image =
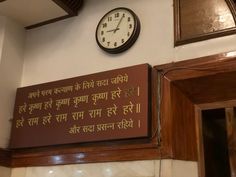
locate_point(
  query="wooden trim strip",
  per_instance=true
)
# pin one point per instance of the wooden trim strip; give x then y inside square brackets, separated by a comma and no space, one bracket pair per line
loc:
[13,159]
[203,37]
[217,105]
[5,158]
[88,153]
[200,148]
[70,6]
[177,22]
[88,157]
[198,67]
[47,22]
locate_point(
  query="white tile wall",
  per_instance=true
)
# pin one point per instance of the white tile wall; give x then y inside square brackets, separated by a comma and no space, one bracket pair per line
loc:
[184,169]
[149,168]
[18,172]
[5,172]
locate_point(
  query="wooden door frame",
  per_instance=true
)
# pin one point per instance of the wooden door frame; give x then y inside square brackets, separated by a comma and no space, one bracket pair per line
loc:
[181,103]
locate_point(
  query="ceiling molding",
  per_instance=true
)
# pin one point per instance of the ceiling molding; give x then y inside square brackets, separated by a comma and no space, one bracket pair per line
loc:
[35,13]
[70,6]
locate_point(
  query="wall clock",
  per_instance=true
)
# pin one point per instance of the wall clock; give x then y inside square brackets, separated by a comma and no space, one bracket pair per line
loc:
[117,30]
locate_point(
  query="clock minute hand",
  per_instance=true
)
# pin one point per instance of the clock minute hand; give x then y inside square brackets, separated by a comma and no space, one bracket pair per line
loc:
[118,24]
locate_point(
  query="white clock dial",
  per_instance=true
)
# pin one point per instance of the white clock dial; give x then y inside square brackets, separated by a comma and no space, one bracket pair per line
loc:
[119,27]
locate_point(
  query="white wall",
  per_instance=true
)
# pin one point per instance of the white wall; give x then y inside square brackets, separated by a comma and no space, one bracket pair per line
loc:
[68,48]
[2,32]
[10,74]
[149,168]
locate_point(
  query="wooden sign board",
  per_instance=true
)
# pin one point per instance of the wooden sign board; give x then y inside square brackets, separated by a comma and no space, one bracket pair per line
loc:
[109,105]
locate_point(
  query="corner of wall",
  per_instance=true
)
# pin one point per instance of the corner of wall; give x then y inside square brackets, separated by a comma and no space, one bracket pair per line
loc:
[2,34]
[11,63]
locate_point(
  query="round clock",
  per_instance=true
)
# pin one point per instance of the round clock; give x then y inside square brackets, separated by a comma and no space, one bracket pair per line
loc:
[117,30]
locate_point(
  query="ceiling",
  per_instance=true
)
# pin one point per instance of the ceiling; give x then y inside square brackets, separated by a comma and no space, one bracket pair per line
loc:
[31,12]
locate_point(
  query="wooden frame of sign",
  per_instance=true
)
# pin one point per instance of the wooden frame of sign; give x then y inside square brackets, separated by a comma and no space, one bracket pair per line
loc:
[199,20]
[135,147]
[106,106]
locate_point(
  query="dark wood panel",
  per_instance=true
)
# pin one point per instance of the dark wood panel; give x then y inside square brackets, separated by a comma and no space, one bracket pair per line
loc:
[70,6]
[183,130]
[144,149]
[178,135]
[209,79]
[166,116]
[200,17]
[86,153]
[180,98]
[88,157]
[91,98]
[177,127]
[125,150]
[201,20]
[221,88]
[5,158]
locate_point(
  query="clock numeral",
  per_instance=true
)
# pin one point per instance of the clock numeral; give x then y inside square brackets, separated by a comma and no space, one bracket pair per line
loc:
[117,15]
[117,30]
[104,25]
[109,19]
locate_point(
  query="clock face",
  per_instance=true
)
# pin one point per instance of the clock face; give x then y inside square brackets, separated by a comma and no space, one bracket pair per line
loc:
[117,30]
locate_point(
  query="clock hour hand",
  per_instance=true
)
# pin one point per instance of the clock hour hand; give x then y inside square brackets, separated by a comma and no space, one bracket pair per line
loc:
[113,30]
[118,24]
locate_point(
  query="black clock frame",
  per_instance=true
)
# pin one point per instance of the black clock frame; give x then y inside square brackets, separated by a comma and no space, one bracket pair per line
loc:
[130,41]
